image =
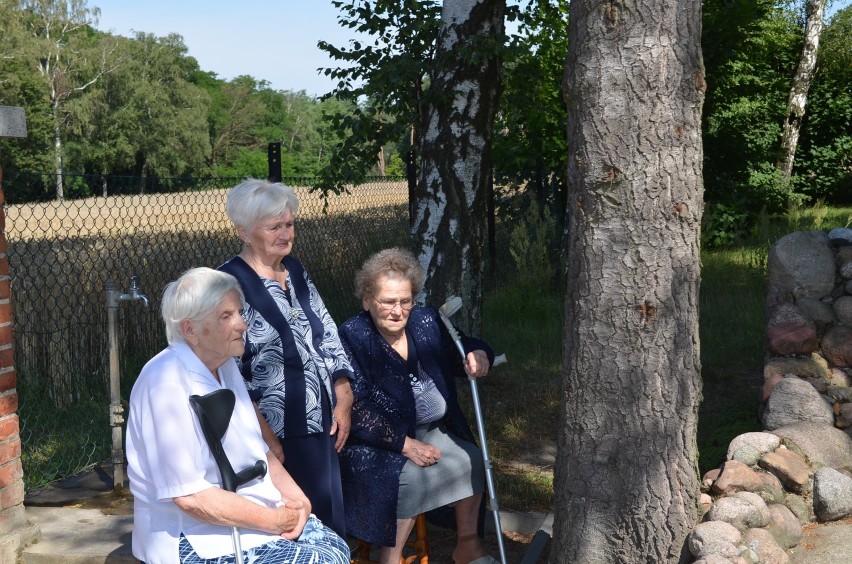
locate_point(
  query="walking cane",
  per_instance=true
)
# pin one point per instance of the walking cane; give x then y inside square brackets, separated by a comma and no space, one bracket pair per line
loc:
[452,305]
[214,414]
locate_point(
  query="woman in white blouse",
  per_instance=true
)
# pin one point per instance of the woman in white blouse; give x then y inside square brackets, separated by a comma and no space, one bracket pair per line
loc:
[181,512]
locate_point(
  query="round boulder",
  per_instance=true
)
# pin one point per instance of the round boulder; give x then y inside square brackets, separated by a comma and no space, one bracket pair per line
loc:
[743,510]
[832,494]
[764,544]
[761,442]
[712,533]
[793,400]
[789,331]
[840,236]
[814,367]
[803,263]
[784,526]
[843,310]
[818,311]
[837,346]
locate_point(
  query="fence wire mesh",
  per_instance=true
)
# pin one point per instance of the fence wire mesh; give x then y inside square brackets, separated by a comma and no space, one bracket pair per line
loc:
[62,253]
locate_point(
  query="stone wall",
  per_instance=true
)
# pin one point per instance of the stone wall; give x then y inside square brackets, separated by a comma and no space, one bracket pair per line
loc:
[799,469]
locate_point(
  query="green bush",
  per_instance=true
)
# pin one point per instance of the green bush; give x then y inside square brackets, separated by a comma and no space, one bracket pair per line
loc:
[723,225]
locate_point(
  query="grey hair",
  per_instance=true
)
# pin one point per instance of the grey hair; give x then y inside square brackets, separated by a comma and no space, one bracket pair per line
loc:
[253,200]
[395,262]
[194,296]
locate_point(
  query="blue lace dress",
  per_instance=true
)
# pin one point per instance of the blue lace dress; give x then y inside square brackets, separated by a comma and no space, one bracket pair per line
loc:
[384,413]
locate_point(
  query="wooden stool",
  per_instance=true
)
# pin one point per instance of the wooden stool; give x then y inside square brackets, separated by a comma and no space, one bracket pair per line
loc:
[420,544]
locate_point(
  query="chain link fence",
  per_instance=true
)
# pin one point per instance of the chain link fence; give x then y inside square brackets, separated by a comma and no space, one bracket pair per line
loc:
[62,253]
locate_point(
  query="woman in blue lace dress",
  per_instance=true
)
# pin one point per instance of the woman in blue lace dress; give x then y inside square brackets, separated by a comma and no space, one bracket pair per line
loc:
[410,449]
[181,513]
[294,364]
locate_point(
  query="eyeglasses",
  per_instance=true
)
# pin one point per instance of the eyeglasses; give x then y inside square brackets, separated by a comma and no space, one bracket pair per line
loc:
[389,305]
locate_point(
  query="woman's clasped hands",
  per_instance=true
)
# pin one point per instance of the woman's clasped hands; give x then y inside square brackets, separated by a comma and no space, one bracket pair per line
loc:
[420,453]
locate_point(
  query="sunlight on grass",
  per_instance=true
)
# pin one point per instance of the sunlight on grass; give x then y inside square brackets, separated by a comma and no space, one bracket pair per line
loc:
[524,489]
[521,399]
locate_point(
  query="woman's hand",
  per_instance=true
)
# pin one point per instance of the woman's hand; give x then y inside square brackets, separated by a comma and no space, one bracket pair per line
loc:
[342,412]
[293,514]
[476,364]
[296,509]
[420,453]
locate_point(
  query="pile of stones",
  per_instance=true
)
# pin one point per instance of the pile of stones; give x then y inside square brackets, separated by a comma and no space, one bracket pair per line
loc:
[799,469]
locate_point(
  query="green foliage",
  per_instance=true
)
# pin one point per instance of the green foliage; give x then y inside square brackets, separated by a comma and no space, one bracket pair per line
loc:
[384,80]
[751,50]
[532,243]
[395,165]
[245,163]
[748,86]
[147,108]
[723,225]
[824,157]
[530,141]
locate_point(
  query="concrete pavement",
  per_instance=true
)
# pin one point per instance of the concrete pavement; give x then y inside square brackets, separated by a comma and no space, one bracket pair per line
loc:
[83,521]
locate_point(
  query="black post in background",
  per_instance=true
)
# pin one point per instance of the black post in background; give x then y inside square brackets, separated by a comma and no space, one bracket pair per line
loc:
[492,237]
[411,176]
[273,155]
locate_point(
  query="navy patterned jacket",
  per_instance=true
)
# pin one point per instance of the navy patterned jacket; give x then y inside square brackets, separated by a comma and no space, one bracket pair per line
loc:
[383,414]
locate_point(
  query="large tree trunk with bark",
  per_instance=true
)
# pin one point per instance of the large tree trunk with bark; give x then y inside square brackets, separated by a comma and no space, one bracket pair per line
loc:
[626,479]
[449,202]
[800,86]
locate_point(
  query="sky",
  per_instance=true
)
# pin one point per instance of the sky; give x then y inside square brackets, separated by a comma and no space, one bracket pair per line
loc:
[272,40]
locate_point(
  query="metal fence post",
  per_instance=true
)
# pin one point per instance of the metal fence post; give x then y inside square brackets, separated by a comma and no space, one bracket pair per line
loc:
[116,411]
[273,156]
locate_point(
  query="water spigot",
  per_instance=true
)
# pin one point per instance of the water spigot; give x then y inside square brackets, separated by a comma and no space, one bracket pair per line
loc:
[134,293]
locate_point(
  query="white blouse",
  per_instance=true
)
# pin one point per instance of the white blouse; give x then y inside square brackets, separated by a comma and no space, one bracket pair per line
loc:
[168,457]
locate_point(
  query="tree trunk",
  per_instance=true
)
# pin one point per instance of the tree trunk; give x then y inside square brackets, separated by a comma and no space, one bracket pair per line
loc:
[57,151]
[449,204]
[801,84]
[626,480]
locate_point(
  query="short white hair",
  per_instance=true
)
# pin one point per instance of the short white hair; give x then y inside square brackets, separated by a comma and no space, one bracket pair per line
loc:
[254,200]
[194,296]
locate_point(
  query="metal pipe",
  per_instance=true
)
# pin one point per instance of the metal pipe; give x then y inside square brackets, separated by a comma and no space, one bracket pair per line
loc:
[116,410]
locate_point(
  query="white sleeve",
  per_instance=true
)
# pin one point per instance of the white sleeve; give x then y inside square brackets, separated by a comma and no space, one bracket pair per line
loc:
[173,440]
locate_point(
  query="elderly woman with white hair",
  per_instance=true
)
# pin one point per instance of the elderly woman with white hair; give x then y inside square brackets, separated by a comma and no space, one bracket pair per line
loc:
[294,364]
[181,512]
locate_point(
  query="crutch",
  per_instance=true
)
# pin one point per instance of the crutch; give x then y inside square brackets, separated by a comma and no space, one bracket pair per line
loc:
[214,414]
[452,305]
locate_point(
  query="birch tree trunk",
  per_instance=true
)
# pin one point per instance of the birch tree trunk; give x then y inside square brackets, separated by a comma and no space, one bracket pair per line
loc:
[626,479]
[449,200]
[800,86]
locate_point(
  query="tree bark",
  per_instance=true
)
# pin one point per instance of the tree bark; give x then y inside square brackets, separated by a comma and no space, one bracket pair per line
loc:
[626,481]
[449,207]
[800,86]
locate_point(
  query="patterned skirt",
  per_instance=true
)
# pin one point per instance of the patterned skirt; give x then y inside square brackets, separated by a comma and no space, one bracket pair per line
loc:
[317,545]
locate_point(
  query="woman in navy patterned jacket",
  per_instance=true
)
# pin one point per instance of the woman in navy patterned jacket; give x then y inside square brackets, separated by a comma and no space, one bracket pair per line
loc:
[294,365]
[410,449]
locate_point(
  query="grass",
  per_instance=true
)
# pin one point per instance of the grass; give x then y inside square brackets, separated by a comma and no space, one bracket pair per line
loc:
[524,319]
